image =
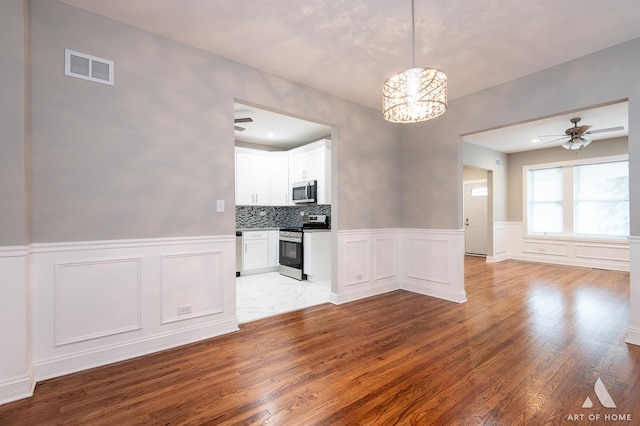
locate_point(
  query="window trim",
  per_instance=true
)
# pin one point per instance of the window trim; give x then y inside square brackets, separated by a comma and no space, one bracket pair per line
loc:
[568,195]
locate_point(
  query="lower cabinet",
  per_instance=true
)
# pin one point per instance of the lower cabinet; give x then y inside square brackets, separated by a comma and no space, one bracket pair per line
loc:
[259,251]
[317,255]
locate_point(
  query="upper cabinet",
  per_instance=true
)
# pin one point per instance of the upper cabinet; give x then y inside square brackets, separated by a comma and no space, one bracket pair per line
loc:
[251,186]
[265,178]
[313,162]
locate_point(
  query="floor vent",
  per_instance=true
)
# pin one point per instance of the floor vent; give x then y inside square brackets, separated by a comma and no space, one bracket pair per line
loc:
[87,67]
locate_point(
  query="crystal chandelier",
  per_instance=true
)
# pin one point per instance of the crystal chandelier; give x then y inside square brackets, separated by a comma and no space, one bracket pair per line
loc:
[416,94]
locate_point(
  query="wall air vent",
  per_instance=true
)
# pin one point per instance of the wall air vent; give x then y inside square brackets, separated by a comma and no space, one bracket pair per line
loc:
[87,67]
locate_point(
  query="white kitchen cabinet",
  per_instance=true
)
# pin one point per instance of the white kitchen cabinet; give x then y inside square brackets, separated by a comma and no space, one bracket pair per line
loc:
[317,255]
[274,248]
[255,254]
[252,188]
[265,178]
[279,180]
[262,178]
[313,162]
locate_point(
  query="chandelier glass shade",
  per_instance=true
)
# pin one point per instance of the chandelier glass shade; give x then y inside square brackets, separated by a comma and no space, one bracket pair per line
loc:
[416,94]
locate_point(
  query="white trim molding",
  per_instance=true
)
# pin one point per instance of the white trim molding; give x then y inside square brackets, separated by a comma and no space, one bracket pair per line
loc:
[604,253]
[500,242]
[424,261]
[167,292]
[16,375]
[633,334]
[369,264]
[433,263]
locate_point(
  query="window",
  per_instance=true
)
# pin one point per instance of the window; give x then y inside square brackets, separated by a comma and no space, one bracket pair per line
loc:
[545,201]
[579,198]
[601,199]
[480,192]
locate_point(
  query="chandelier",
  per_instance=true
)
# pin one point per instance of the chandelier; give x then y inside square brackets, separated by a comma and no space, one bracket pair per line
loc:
[417,94]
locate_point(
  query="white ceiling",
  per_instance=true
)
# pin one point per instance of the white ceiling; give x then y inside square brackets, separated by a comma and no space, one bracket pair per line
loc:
[545,133]
[350,47]
[276,130]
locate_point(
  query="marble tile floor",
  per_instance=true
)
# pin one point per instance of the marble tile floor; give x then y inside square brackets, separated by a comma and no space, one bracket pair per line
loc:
[264,295]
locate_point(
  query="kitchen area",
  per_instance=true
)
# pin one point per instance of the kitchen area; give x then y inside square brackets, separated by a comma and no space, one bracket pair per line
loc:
[283,214]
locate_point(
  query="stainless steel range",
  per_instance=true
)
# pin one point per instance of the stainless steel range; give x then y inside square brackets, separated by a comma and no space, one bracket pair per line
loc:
[291,245]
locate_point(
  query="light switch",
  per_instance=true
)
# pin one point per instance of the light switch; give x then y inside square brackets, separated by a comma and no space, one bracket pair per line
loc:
[220,206]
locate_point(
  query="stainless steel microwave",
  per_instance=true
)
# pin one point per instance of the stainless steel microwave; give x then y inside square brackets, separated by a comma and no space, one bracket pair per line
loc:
[304,192]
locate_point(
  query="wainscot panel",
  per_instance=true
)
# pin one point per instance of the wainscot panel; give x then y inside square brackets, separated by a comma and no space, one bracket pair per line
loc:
[16,376]
[633,334]
[367,264]
[433,263]
[500,242]
[575,251]
[94,303]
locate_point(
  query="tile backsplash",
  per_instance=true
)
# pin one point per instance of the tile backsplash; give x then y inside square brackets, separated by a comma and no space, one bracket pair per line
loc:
[276,217]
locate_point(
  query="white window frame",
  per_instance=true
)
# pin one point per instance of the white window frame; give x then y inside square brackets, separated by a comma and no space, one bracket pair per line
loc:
[567,192]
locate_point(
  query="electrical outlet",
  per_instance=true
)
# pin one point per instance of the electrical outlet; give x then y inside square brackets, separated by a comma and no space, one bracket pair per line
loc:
[263,213]
[184,310]
[220,206]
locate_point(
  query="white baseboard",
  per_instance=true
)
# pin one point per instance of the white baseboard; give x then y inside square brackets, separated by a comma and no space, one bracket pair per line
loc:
[17,388]
[66,364]
[350,296]
[633,336]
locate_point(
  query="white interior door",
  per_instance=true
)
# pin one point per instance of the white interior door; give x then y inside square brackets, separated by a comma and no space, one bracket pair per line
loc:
[476,235]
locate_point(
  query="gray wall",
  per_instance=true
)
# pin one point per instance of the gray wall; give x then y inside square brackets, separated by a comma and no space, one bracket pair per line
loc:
[601,148]
[149,156]
[431,152]
[12,123]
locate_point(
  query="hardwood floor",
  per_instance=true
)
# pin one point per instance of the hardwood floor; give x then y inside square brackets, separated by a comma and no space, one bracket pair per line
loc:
[527,348]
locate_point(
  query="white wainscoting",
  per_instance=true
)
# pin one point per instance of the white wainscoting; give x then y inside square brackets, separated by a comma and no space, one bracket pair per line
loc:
[429,262]
[633,334]
[575,251]
[500,242]
[433,263]
[94,303]
[368,264]
[16,376]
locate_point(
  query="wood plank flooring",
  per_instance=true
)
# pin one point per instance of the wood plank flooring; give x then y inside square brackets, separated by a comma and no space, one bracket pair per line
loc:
[526,349]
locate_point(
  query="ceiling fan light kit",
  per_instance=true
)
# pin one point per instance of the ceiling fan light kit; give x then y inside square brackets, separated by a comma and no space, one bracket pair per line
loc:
[417,94]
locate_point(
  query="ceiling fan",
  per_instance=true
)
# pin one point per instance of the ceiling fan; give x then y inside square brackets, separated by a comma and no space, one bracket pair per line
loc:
[242,120]
[578,135]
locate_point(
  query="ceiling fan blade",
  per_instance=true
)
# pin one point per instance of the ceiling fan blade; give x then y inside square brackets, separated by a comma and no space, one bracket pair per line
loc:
[238,128]
[578,130]
[555,140]
[550,136]
[243,120]
[610,129]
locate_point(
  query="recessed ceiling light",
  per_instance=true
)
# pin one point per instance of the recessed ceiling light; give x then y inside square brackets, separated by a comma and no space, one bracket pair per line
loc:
[535,140]
[270,135]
